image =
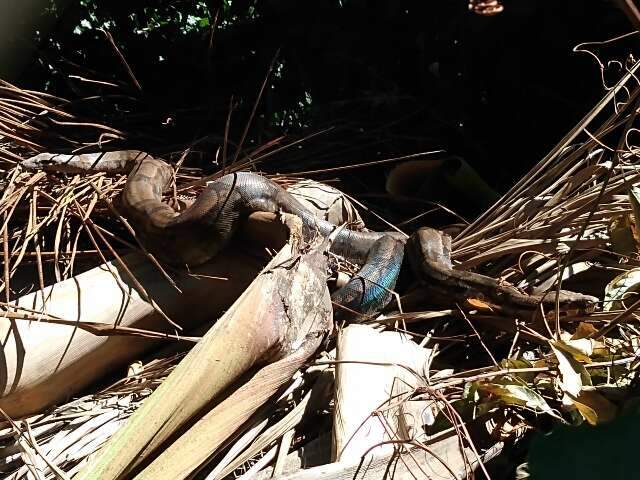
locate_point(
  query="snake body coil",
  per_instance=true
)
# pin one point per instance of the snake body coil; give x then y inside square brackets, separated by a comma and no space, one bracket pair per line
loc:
[198,233]
[201,231]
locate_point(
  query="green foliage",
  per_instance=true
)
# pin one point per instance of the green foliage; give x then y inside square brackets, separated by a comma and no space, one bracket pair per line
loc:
[188,16]
[150,18]
[155,29]
[587,453]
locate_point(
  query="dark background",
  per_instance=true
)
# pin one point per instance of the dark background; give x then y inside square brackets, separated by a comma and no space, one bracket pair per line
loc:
[392,77]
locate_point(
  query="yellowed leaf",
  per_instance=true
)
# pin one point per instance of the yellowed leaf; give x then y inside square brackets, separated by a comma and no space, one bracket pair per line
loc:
[634,199]
[621,232]
[574,350]
[594,407]
[516,394]
[573,375]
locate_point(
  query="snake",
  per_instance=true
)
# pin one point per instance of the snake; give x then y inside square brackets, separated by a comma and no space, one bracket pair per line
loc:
[198,233]
[429,252]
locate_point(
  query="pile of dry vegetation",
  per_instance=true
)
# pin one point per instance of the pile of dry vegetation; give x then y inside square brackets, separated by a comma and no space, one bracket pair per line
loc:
[432,386]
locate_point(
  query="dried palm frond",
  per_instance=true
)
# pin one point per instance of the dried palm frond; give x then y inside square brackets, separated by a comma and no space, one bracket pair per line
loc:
[552,228]
[65,437]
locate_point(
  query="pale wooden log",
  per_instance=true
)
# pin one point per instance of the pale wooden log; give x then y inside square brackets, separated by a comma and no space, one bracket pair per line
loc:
[43,363]
[282,315]
[373,371]
[443,459]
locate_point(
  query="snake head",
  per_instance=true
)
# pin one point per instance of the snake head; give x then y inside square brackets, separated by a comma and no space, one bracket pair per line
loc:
[433,245]
[574,301]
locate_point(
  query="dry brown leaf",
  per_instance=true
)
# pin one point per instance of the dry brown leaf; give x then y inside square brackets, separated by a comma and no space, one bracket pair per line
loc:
[584,330]
[479,304]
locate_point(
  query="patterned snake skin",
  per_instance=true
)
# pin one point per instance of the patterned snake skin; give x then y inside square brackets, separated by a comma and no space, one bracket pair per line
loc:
[202,230]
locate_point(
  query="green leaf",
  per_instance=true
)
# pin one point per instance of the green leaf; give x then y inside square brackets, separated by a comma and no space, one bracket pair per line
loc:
[517,395]
[509,363]
[623,241]
[464,408]
[604,452]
